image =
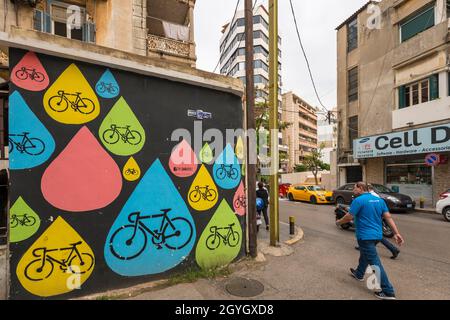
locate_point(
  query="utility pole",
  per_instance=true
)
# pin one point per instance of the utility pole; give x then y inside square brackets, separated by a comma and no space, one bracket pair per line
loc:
[273,120]
[251,125]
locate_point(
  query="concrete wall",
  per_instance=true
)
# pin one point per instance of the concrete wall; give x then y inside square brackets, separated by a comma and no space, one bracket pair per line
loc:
[374,171]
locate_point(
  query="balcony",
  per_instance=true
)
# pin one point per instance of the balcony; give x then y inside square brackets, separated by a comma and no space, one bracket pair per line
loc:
[420,45]
[170,25]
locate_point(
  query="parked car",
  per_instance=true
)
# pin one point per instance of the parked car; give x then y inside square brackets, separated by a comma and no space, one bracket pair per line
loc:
[283,189]
[310,193]
[443,205]
[395,201]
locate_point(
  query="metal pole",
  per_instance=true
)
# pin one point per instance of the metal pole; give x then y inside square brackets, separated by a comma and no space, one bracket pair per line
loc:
[250,103]
[273,119]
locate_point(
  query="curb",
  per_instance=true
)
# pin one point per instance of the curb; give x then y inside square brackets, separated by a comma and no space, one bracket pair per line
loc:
[429,211]
[299,235]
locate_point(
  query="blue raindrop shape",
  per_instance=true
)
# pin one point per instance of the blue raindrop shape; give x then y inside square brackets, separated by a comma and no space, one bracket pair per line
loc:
[226,169]
[30,143]
[154,232]
[107,87]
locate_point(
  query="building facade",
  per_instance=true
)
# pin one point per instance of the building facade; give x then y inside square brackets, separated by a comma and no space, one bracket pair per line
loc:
[326,138]
[232,60]
[301,136]
[394,97]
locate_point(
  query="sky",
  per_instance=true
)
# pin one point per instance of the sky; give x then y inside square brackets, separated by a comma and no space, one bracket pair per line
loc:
[317,20]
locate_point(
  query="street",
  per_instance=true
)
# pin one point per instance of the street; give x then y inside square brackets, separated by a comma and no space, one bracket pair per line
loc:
[321,263]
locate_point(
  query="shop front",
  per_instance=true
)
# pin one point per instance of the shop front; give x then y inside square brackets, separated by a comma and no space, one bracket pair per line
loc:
[414,162]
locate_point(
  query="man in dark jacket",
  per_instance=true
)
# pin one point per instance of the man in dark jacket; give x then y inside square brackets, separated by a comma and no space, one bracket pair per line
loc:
[264,195]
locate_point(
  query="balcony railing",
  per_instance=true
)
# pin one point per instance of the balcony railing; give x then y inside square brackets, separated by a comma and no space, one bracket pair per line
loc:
[169,46]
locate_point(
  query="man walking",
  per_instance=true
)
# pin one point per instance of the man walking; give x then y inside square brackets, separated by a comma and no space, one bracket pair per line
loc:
[264,195]
[368,211]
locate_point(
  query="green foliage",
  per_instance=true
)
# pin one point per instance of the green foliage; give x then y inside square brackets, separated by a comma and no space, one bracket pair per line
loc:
[301,168]
[195,273]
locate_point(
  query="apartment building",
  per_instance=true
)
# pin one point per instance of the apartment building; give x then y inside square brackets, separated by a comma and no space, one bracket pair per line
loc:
[326,138]
[232,59]
[394,96]
[301,136]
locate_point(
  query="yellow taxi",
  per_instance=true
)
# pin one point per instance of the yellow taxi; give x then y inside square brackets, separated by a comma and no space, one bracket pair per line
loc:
[310,193]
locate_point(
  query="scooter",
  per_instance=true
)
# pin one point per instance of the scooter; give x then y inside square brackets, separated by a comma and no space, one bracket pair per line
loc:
[342,210]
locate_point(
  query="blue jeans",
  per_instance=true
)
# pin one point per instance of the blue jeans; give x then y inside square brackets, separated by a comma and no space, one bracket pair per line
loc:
[393,249]
[369,256]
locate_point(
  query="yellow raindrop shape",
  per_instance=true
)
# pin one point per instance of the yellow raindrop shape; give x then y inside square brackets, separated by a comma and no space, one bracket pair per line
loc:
[206,154]
[240,149]
[131,170]
[203,194]
[58,262]
[71,99]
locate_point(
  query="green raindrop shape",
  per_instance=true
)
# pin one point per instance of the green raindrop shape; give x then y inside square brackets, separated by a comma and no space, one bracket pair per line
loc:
[206,154]
[121,132]
[243,169]
[24,222]
[221,240]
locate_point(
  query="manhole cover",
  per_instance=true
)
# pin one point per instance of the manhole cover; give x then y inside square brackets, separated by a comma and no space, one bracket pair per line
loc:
[241,287]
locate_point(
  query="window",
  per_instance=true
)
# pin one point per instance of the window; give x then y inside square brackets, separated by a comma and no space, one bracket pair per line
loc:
[60,27]
[352,35]
[353,84]
[352,130]
[421,21]
[419,92]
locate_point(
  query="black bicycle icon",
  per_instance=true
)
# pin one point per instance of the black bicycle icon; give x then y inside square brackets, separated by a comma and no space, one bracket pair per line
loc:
[22,220]
[214,239]
[131,172]
[129,241]
[204,193]
[25,73]
[61,102]
[76,262]
[241,202]
[110,88]
[24,144]
[115,133]
[225,171]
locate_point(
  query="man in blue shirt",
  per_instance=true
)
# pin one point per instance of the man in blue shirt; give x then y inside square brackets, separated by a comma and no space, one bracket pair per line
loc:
[367,211]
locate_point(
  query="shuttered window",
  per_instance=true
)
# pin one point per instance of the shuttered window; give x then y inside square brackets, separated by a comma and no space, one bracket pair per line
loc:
[422,21]
[352,35]
[353,84]
[419,92]
[353,131]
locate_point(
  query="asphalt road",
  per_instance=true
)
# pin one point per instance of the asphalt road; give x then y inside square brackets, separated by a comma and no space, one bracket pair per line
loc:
[422,270]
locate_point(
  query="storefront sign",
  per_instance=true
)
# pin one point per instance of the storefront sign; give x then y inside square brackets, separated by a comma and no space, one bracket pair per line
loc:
[424,140]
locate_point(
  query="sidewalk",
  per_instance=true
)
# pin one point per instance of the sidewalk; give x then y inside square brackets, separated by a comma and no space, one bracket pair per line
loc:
[216,289]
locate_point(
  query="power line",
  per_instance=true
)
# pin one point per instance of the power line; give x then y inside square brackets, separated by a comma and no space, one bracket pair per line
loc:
[306,58]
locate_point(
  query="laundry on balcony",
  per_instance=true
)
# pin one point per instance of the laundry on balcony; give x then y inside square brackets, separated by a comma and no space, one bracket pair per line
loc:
[173,30]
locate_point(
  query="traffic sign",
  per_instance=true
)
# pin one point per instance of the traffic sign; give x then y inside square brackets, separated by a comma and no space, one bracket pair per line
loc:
[432,159]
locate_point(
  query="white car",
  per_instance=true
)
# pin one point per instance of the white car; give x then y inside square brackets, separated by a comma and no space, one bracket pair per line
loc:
[443,207]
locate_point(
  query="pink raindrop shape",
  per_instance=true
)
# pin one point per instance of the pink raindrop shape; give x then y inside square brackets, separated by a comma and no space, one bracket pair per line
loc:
[240,200]
[29,73]
[183,162]
[83,177]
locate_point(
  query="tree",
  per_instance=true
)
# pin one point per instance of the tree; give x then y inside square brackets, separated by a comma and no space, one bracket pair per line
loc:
[313,162]
[300,168]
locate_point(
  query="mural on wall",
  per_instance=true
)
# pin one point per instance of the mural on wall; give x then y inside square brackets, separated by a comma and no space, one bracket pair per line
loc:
[54,258]
[183,161]
[71,99]
[227,171]
[107,87]
[30,143]
[103,198]
[154,232]
[23,221]
[131,171]
[203,194]
[83,177]
[120,132]
[29,73]
[240,200]
[221,240]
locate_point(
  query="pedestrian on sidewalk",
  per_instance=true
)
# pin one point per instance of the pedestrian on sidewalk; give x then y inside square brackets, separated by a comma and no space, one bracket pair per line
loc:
[263,194]
[368,211]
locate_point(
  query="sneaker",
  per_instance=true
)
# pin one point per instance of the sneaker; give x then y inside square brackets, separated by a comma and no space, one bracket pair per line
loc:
[354,275]
[384,296]
[395,255]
